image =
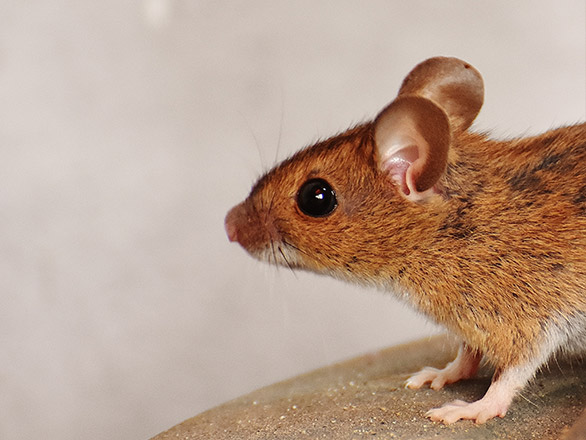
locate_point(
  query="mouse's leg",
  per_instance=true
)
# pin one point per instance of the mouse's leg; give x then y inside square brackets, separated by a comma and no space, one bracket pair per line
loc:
[506,381]
[505,385]
[463,367]
[495,402]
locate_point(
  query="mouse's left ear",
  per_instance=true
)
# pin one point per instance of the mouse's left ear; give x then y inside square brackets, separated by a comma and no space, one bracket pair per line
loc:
[412,137]
[453,84]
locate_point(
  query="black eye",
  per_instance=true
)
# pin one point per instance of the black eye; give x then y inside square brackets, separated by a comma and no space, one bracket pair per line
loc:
[316,198]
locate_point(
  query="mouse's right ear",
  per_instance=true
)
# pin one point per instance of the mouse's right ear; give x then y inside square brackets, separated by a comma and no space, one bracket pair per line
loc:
[412,137]
[451,83]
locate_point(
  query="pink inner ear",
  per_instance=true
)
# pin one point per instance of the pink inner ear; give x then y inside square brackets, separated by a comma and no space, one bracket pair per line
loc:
[412,137]
[397,164]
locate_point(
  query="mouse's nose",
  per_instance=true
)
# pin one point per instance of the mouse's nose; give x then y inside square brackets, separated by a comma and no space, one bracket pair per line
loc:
[231,221]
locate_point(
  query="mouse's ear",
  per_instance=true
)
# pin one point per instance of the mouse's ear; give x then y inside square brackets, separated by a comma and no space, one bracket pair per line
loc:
[453,84]
[412,137]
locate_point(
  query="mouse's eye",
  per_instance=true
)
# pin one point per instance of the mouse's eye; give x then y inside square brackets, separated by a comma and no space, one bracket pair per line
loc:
[316,198]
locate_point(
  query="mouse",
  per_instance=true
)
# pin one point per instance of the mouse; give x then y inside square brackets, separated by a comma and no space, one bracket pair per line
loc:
[485,237]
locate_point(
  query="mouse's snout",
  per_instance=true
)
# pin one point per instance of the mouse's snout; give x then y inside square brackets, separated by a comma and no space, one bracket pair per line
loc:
[231,221]
[253,231]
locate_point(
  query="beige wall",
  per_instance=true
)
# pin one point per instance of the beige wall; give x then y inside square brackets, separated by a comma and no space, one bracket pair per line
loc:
[128,130]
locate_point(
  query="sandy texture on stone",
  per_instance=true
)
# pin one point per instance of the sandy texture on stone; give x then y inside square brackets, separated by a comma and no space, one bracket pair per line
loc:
[365,398]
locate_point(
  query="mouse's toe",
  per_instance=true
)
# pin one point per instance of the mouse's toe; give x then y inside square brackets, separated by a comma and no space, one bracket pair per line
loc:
[480,411]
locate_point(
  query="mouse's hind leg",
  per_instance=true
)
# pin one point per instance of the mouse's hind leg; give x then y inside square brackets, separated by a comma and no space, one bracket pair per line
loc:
[506,383]
[464,366]
[496,401]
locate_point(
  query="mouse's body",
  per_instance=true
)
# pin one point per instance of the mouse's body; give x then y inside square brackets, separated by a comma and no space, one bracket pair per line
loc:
[487,238]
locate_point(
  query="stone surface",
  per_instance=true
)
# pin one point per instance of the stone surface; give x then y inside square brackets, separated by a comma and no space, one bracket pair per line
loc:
[365,398]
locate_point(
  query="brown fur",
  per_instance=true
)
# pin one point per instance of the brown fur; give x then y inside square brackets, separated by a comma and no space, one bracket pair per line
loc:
[496,256]
[492,260]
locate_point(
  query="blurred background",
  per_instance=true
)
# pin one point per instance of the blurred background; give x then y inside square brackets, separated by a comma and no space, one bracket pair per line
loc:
[129,128]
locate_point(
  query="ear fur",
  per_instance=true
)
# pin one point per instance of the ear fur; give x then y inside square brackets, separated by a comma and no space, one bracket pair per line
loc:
[412,138]
[453,84]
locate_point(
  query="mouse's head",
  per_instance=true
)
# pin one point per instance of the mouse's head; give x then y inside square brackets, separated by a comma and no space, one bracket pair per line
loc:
[348,204]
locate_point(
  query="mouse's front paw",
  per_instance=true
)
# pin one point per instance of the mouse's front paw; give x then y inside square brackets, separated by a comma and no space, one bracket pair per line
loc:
[436,378]
[463,367]
[479,411]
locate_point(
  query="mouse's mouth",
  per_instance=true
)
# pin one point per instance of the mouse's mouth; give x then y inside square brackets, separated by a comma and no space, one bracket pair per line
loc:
[279,253]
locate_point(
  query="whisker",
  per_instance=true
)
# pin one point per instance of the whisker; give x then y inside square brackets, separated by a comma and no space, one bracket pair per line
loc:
[286,243]
[255,206]
[271,203]
[527,399]
[258,149]
[280,126]
[274,262]
[287,261]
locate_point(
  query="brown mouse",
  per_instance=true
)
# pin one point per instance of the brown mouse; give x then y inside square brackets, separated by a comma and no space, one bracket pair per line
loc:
[486,237]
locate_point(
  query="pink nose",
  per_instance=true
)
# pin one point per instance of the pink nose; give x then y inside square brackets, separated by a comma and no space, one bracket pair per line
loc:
[231,221]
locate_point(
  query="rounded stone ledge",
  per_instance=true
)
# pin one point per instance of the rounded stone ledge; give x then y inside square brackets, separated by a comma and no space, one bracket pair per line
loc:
[364,398]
